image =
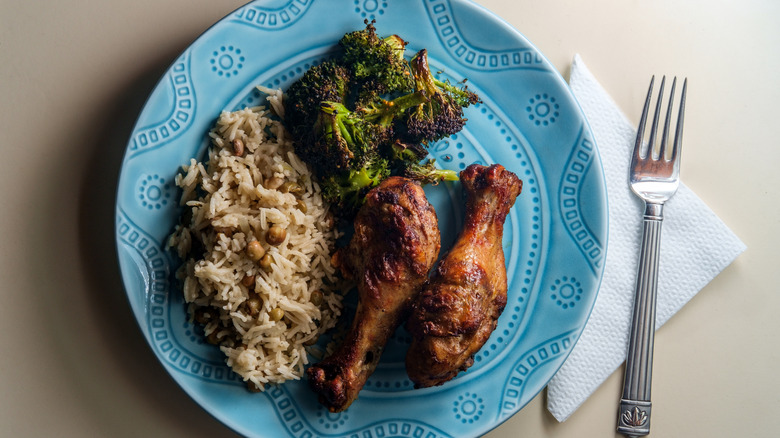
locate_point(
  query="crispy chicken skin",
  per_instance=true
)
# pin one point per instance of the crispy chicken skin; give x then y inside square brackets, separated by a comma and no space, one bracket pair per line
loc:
[459,307]
[396,242]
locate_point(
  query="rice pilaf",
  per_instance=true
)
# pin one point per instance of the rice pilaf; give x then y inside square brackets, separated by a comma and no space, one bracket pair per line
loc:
[255,241]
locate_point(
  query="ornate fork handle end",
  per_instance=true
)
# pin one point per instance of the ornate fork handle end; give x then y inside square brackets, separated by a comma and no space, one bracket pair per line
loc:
[634,418]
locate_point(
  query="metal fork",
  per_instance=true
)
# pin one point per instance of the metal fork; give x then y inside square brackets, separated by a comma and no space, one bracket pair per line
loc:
[654,178]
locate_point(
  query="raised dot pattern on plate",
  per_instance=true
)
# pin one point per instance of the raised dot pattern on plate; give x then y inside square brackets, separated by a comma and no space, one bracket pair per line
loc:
[227,61]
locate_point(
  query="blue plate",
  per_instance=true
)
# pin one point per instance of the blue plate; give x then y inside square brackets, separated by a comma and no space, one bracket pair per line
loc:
[555,237]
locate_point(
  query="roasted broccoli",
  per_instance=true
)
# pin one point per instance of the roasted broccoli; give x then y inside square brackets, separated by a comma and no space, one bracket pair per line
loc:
[403,152]
[406,161]
[328,81]
[442,114]
[377,64]
[368,70]
[343,137]
[345,190]
[368,113]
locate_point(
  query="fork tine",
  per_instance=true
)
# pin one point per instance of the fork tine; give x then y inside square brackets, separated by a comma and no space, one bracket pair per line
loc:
[665,135]
[676,150]
[651,142]
[640,130]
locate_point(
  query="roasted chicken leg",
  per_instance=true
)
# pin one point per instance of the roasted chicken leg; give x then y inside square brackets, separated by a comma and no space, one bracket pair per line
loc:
[458,309]
[396,242]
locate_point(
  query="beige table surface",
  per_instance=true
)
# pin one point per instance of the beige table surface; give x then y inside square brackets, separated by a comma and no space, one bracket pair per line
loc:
[74,75]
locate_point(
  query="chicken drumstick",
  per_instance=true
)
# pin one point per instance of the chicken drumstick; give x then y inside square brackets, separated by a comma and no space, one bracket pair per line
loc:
[396,242]
[458,309]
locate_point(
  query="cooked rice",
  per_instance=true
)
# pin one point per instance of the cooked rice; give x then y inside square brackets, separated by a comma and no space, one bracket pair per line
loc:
[231,206]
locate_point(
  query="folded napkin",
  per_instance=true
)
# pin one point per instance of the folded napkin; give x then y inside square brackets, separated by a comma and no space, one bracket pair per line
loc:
[695,247]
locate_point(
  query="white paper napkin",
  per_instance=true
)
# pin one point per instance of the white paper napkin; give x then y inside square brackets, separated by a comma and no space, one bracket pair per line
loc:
[695,247]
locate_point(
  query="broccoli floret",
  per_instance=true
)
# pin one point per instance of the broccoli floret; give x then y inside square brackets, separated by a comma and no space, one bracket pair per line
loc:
[328,81]
[403,152]
[346,191]
[377,64]
[442,114]
[342,138]
[406,159]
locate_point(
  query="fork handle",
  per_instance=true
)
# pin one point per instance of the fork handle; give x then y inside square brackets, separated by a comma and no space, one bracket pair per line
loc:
[635,406]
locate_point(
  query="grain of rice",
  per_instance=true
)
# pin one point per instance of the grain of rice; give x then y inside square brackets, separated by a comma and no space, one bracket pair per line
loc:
[231,207]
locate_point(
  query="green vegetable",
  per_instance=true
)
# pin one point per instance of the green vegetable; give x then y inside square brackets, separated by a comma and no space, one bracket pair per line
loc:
[442,114]
[368,113]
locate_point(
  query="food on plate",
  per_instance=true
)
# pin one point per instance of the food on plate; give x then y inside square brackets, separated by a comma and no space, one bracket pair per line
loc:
[396,242]
[256,239]
[356,117]
[459,307]
[348,141]
[441,115]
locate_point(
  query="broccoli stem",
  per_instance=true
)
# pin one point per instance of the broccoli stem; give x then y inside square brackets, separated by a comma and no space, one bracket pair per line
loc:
[397,44]
[345,132]
[387,111]
[427,173]
[445,175]
[361,179]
